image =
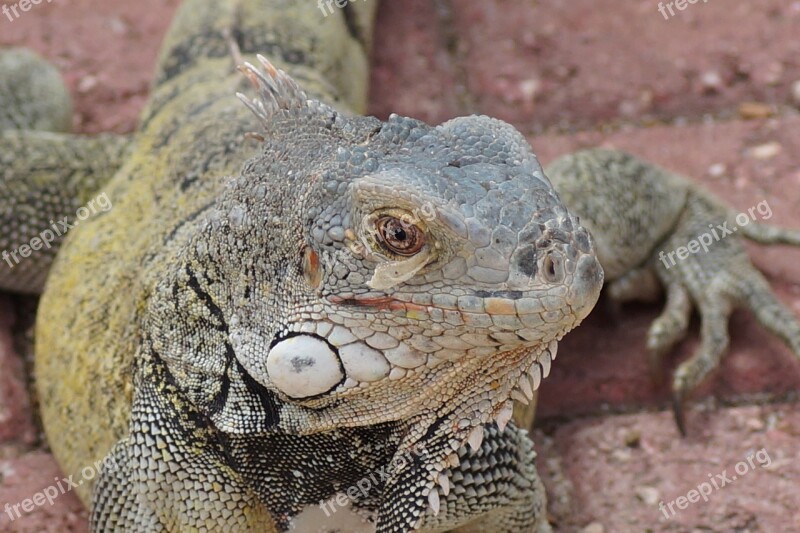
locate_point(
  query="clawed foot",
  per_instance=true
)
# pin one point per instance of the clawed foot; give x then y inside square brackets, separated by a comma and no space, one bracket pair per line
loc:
[715,282]
[718,284]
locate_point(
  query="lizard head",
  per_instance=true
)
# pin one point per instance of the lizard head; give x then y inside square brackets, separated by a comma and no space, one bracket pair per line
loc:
[382,271]
[435,246]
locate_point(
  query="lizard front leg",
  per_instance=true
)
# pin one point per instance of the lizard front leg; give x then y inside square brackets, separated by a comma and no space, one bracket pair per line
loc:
[46,174]
[499,482]
[716,283]
[490,484]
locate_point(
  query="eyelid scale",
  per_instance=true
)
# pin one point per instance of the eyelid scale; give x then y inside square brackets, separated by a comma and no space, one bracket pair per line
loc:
[388,275]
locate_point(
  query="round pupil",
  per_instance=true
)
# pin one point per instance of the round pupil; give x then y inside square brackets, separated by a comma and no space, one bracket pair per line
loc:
[399,236]
[398,232]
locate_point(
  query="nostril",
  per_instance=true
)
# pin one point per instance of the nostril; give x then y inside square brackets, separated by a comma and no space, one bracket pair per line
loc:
[586,285]
[550,266]
[553,268]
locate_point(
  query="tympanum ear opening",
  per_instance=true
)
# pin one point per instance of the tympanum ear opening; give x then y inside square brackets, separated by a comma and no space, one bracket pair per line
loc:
[312,270]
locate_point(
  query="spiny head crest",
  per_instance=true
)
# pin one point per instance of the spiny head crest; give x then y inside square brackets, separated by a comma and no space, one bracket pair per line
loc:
[276,90]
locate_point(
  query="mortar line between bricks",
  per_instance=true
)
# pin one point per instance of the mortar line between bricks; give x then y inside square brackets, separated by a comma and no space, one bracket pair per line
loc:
[724,116]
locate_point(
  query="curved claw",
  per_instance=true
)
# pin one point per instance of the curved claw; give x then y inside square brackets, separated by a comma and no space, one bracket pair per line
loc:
[678,412]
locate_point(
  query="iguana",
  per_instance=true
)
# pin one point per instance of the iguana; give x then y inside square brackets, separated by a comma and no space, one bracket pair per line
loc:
[359,302]
[264,321]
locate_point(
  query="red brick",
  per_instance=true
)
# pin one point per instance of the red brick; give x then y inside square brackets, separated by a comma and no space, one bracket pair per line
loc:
[574,63]
[579,62]
[106,51]
[25,476]
[605,470]
[412,72]
[16,424]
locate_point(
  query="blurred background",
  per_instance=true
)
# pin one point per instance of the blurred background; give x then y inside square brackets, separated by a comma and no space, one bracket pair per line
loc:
[711,91]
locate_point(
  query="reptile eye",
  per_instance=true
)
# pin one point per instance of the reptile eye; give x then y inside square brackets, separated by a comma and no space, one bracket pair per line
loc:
[399,237]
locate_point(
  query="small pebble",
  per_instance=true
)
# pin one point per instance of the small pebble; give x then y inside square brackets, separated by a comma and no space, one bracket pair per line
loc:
[530,88]
[648,495]
[87,83]
[717,170]
[711,81]
[622,455]
[632,439]
[766,150]
[594,527]
[755,424]
[118,26]
[796,93]
[755,110]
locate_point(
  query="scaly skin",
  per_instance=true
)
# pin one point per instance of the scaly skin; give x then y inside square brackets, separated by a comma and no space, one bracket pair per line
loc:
[638,213]
[46,174]
[240,274]
[192,135]
[204,288]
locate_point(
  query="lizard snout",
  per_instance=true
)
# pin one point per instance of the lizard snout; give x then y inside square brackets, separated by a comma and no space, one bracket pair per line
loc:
[582,269]
[586,285]
[562,255]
